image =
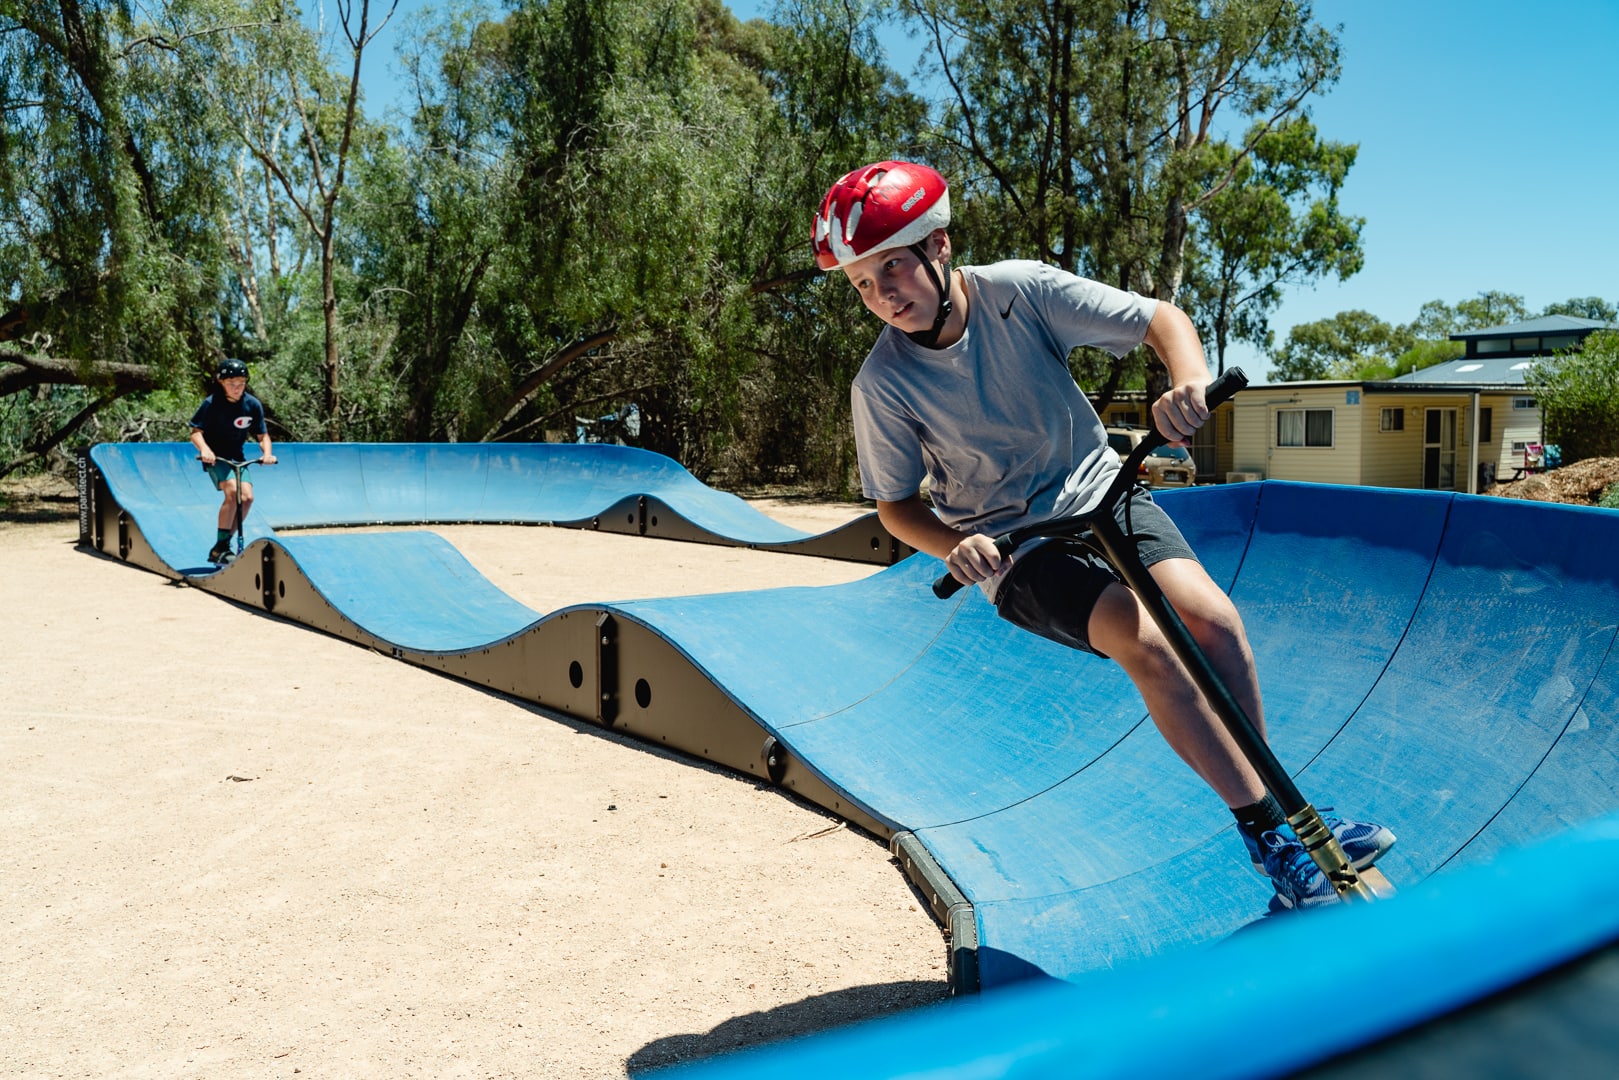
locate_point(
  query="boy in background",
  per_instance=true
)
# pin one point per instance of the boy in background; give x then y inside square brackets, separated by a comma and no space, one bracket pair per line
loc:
[219,430]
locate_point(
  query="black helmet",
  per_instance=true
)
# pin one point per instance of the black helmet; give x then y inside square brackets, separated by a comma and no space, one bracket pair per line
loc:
[232,369]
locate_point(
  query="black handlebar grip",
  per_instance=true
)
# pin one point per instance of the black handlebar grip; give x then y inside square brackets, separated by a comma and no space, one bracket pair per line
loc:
[1225,388]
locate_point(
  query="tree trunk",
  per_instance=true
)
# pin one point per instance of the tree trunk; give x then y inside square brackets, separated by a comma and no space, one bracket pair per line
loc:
[328,305]
[529,386]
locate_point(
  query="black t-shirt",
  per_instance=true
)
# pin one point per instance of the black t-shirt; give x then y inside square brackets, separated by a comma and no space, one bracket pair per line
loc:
[226,424]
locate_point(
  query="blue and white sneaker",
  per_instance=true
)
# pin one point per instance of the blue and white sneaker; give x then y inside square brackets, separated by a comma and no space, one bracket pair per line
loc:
[1298,880]
[1363,842]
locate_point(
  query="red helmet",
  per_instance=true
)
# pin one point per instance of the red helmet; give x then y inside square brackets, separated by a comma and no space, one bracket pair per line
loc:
[887,205]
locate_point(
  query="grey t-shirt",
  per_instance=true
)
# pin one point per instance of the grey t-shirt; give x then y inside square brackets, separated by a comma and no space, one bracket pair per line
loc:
[995,420]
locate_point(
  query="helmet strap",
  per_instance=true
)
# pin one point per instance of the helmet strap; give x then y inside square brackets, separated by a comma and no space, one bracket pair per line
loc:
[929,338]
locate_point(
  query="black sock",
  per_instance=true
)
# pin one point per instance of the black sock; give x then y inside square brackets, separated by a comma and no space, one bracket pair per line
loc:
[1261,817]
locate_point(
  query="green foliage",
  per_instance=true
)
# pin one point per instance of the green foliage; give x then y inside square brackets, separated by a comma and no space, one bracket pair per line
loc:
[1272,219]
[1437,320]
[1350,345]
[1578,394]
[1358,345]
[109,176]
[1086,134]
[1425,353]
[1585,307]
[594,202]
[1490,309]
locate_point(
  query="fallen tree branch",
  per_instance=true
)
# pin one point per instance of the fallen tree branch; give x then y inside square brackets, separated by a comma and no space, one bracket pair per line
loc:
[29,370]
[37,450]
[531,385]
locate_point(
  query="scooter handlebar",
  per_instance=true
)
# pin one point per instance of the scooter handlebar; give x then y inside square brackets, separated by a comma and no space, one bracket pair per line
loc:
[1219,392]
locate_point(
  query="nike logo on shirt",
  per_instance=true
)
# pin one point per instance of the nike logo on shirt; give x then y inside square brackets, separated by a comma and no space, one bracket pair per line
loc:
[1007,313]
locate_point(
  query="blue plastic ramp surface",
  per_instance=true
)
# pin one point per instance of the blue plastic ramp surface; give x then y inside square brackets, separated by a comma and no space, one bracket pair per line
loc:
[1424,657]
[1444,945]
[1441,663]
[325,484]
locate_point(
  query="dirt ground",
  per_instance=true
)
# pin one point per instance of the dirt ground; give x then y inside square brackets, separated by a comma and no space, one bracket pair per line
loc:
[1581,483]
[234,845]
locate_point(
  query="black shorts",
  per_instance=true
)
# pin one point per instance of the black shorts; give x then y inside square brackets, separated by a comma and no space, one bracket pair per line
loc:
[1052,589]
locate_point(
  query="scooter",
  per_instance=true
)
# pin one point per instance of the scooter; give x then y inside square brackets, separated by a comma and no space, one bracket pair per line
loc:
[1101,530]
[238,469]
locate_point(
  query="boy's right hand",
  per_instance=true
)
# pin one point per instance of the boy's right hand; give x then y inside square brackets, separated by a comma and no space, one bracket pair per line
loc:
[208,459]
[976,559]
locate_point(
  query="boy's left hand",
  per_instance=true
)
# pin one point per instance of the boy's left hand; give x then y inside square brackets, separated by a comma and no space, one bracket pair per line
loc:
[976,559]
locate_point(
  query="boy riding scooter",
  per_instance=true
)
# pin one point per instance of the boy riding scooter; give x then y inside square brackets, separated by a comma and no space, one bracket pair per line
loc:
[968,387]
[219,430]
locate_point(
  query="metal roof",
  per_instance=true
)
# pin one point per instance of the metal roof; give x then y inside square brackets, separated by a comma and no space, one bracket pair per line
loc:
[1545,324]
[1498,373]
[1470,371]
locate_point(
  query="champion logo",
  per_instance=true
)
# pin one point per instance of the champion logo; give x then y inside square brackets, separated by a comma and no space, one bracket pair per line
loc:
[912,201]
[242,422]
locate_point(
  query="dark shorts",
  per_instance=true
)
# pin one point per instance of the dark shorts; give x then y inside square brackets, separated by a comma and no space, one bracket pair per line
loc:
[1052,589]
[219,472]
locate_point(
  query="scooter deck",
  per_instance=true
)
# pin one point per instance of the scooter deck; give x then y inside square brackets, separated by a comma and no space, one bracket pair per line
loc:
[1378,882]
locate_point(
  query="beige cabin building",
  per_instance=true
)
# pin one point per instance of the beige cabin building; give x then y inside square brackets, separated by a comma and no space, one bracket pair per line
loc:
[1456,426]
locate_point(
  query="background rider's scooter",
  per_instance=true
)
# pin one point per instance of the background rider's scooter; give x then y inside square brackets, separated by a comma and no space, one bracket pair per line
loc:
[238,470]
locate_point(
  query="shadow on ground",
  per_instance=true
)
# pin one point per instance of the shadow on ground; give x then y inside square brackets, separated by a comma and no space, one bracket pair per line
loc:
[34,500]
[814,1014]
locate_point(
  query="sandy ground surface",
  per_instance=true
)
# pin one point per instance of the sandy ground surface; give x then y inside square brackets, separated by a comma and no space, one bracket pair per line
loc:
[233,845]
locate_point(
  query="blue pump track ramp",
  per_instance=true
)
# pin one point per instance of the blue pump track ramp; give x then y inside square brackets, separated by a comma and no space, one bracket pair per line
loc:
[1442,663]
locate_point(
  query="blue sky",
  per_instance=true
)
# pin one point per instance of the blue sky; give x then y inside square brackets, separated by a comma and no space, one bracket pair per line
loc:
[1489,151]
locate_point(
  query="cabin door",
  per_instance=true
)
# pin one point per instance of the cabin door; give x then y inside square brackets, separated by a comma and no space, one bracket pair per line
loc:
[1439,449]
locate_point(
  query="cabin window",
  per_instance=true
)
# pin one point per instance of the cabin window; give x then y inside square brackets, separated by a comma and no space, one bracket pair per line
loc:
[1391,420]
[1304,427]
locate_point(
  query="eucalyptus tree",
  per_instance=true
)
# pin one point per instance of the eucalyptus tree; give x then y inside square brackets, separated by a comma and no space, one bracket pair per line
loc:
[833,103]
[1274,222]
[1585,307]
[300,119]
[1350,345]
[613,137]
[1090,133]
[429,227]
[1578,394]
[111,156]
[601,202]
[1492,307]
